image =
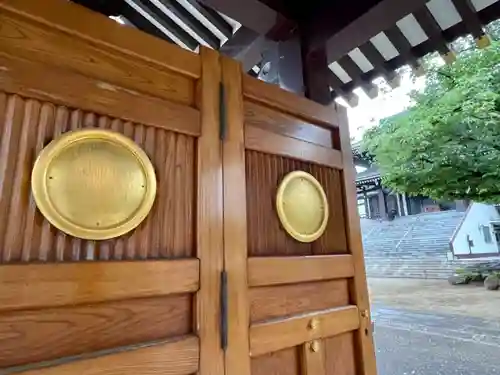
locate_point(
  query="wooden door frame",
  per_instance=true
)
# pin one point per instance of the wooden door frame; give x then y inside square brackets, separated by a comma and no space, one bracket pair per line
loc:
[196,104]
[243,342]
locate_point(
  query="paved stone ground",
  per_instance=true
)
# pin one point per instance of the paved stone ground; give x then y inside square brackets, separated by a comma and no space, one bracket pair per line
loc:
[416,343]
[436,296]
[428,327]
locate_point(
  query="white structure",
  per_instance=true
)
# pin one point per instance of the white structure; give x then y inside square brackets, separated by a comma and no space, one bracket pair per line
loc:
[478,235]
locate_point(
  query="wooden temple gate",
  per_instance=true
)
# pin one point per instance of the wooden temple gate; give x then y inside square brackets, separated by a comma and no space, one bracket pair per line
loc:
[209,283]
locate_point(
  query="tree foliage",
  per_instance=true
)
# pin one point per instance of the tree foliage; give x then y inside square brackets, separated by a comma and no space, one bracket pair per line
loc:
[447,145]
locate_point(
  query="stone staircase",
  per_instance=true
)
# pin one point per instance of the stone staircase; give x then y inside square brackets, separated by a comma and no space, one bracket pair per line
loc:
[412,246]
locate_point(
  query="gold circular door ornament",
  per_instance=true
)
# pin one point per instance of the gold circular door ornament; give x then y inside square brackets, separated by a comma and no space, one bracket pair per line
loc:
[302,206]
[93,184]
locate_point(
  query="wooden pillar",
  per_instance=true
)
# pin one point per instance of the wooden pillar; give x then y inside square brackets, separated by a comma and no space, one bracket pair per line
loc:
[315,72]
[382,204]
[367,207]
[405,205]
[398,201]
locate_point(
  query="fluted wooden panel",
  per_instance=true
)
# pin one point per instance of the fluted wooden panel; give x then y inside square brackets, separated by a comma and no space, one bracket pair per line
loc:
[265,234]
[26,126]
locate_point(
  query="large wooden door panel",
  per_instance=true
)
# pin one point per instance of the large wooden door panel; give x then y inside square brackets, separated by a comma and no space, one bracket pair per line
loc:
[305,304]
[146,302]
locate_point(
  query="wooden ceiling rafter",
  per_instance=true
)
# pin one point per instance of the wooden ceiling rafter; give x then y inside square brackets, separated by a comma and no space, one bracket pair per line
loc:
[337,85]
[189,20]
[404,48]
[141,23]
[486,15]
[355,72]
[378,62]
[213,17]
[163,23]
[469,16]
[434,32]
[380,17]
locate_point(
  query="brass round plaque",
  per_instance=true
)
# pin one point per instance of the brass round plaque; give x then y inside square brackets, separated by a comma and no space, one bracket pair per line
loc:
[93,184]
[302,206]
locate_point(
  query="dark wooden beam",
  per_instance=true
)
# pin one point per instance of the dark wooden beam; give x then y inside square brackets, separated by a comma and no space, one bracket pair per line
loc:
[316,74]
[162,19]
[486,15]
[403,46]
[338,87]
[380,17]
[469,16]
[213,17]
[472,21]
[250,13]
[245,46]
[355,72]
[434,32]
[190,21]
[378,61]
[142,23]
[108,8]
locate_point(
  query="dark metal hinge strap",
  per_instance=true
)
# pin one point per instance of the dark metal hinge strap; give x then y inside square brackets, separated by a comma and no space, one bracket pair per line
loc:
[223,310]
[222,112]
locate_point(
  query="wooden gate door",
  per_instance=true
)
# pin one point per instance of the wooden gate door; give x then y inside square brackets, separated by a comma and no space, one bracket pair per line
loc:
[142,303]
[293,308]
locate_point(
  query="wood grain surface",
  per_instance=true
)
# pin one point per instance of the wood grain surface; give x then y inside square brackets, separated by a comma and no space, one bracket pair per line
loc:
[266,141]
[96,29]
[286,270]
[282,362]
[235,221]
[172,358]
[266,237]
[273,96]
[209,220]
[45,82]
[43,285]
[43,44]
[272,302]
[365,355]
[27,126]
[40,335]
[285,333]
[278,122]
[313,358]
[341,355]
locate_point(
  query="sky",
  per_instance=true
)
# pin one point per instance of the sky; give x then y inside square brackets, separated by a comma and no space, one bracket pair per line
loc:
[389,102]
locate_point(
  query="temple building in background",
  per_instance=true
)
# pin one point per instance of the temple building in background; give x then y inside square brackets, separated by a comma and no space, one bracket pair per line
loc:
[378,202]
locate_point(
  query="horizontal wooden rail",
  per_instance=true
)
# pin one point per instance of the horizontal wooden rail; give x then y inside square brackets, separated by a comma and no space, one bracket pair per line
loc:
[265,141]
[287,270]
[273,96]
[53,47]
[99,30]
[282,123]
[281,334]
[43,285]
[171,358]
[38,81]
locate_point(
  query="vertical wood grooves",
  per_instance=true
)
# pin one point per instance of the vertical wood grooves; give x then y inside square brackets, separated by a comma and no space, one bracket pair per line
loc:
[265,235]
[27,126]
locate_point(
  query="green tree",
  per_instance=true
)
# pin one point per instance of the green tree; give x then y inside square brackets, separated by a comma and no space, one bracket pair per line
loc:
[447,144]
